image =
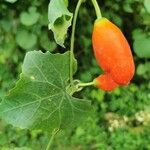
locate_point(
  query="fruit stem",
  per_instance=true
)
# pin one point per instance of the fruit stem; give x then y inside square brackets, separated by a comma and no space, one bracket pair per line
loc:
[97,9]
[86,84]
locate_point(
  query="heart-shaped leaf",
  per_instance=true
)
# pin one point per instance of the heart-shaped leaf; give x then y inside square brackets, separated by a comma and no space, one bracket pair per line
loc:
[59,20]
[29,18]
[147,5]
[40,99]
[11,1]
[25,39]
[141,43]
[45,42]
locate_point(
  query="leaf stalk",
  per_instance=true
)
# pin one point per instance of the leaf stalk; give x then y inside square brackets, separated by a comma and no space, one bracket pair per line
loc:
[51,139]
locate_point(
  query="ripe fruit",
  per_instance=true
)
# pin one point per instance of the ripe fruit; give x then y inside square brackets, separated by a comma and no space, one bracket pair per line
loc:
[113,54]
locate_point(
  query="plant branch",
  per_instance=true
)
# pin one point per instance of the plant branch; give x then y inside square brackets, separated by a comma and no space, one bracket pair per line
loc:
[73,38]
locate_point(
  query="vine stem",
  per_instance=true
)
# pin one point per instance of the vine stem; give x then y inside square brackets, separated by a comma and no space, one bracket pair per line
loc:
[73,38]
[51,139]
[97,9]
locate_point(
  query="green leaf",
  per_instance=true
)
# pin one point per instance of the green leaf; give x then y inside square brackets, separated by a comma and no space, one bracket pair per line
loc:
[40,99]
[25,39]
[11,1]
[145,18]
[66,1]
[59,20]
[127,6]
[29,18]
[147,5]
[17,148]
[6,25]
[141,43]
[45,42]
[143,69]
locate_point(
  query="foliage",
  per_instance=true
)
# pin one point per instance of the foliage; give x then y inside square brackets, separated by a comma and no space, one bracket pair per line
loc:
[141,42]
[41,97]
[121,118]
[59,20]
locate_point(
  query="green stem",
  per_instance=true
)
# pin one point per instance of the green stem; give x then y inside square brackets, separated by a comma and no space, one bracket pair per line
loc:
[86,84]
[51,139]
[72,39]
[97,9]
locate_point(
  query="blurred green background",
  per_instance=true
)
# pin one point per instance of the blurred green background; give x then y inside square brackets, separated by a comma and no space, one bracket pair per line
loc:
[121,120]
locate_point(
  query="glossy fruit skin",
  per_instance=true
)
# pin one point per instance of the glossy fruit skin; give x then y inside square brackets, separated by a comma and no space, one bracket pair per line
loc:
[112,51]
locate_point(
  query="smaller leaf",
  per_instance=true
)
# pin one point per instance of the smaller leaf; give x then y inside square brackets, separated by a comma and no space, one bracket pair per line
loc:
[29,18]
[6,25]
[141,43]
[46,44]
[25,39]
[127,7]
[147,5]
[143,69]
[59,20]
[11,1]
[146,18]
[66,1]
[17,148]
